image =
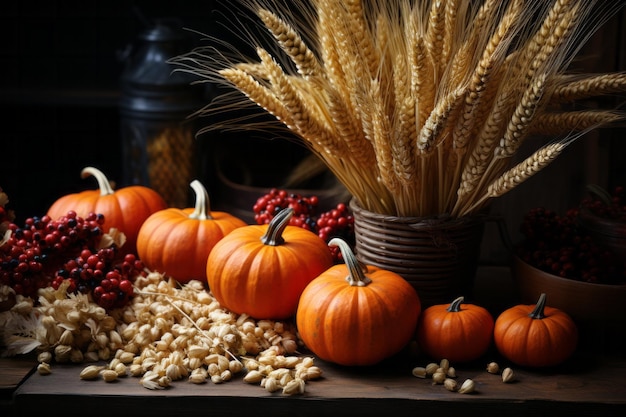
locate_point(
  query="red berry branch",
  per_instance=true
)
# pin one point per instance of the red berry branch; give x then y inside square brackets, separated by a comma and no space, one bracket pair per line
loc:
[337,222]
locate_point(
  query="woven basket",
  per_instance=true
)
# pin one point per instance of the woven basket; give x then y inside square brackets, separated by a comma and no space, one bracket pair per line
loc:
[438,256]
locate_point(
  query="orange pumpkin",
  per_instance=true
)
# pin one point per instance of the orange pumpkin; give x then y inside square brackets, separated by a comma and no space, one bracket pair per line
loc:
[457,332]
[177,242]
[357,316]
[124,209]
[261,270]
[535,336]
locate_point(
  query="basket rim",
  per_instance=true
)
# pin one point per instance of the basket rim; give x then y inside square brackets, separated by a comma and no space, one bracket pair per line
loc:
[416,222]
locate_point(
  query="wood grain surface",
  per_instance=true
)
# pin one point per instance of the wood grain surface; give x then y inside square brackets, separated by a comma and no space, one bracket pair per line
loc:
[585,385]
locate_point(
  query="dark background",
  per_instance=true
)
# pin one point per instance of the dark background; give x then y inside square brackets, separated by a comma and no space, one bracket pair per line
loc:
[59,90]
[60,66]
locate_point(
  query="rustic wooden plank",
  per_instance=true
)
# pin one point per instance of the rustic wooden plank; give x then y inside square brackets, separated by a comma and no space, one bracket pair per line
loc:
[14,370]
[586,385]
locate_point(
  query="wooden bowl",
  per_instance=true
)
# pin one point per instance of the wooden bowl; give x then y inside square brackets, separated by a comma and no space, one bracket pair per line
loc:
[583,301]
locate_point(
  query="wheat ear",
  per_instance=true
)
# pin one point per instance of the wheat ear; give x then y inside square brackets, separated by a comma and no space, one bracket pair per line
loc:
[562,123]
[305,114]
[437,119]
[290,41]
[520,173]
[517,128]
[435,34]
[361,33]
[256,92]
[571,87]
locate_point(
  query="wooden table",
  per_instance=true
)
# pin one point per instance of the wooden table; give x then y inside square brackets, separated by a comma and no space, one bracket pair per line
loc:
[592,383]
[586,385]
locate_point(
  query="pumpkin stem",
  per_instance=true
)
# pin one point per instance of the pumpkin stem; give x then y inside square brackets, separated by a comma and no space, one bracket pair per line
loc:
[538,311]
[103,182]
[274,234]
[202,210]
[455,306]
[356,275]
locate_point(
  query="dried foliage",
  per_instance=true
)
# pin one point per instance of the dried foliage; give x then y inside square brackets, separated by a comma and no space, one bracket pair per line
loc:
[419,106]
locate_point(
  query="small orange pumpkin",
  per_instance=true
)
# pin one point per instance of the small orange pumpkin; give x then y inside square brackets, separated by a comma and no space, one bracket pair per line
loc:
[261,270]
[124,209]
[357,316]
[535,336]
[457,332]
[177,242]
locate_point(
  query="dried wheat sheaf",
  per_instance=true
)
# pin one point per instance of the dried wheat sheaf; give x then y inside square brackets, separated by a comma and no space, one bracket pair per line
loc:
[418,107]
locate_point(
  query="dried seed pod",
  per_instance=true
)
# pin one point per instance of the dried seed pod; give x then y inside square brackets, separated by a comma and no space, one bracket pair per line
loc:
[291,362]
[467,386]
[173,372]
[62,353]
[444,364]
[314,372]
[450,384]
[76,356]
[217,379]
[419,372]
[451,372]
[439,377]
[235,366]
[44,368]
[493,367]
[285,379]
[197,378]
[295,386]
[44,357]
[108,375]
[431,368]
[253,377]
[226,375]
[271,385]
[121,369]
[90,372]
[164,381]
[125,357]
[136,370]
[67,337]
[507,375]
[213,369]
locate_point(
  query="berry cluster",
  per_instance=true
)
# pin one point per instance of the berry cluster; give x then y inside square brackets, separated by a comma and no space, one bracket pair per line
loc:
[556,244]
[39,254]
[337,222]
[98,272]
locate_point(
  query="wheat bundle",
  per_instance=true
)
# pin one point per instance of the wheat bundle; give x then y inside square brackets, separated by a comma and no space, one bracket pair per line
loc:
[419,106]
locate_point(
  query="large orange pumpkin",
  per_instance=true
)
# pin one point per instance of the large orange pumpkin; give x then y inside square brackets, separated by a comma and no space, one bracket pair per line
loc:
[261,270]
[177,242]
[354,317]
[458,332]
[535,336]
[124,209]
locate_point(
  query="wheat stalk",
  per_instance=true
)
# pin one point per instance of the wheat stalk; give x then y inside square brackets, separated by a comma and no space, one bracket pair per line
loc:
[418,107]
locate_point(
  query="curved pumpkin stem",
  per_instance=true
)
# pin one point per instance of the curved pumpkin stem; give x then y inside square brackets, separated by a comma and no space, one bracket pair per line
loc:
[202,210]
[274,234]
[356,276]
[538,311]
[455,306]
[103,182]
